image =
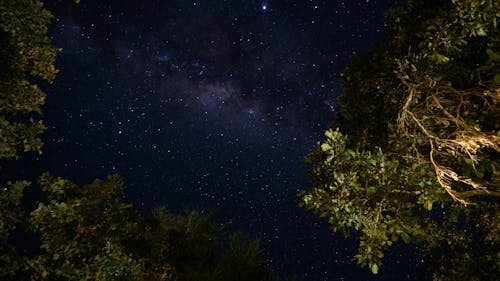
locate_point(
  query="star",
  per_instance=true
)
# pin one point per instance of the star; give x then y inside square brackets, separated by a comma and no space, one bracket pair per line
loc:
[183,88]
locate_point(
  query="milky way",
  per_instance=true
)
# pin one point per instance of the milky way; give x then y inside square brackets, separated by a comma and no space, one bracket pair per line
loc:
[212,105]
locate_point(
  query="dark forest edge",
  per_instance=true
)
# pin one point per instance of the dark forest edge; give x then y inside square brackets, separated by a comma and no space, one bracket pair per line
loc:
[414,154]
[88,233]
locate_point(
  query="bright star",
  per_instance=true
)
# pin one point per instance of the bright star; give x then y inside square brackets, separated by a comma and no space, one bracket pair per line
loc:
[264,7]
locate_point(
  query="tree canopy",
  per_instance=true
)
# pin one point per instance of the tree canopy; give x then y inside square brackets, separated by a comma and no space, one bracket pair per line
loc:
[88,233]
[414,153]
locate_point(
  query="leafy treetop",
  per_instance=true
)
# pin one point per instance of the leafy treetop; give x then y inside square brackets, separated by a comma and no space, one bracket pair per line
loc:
[88,233]
[416,153]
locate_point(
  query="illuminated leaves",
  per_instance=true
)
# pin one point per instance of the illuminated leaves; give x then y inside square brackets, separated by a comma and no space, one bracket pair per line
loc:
[366,191]
[418,131]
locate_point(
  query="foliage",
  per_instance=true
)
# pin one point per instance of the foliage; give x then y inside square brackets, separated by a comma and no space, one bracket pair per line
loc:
[87,233]
[84,224]
[417,159]
[26,54]
[10,216]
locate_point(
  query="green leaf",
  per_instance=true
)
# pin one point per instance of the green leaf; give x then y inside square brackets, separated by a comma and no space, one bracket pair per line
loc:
[497,78]
[492,55]
[480,30]
[352,153]
[329,159]
[355,185]
[428,205]
[405,237]
[329,134]
[374,268]
[326,147]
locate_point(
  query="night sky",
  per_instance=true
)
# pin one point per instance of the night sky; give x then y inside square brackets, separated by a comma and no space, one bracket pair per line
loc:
[212,105]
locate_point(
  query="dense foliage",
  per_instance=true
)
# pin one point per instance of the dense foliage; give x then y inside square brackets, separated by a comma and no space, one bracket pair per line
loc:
[415,156]
[26,53]
[87,233]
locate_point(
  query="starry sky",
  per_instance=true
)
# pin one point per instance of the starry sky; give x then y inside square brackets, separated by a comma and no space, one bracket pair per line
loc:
[212,105]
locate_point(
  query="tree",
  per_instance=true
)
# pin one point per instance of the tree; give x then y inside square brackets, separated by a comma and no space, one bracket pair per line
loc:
[87,233]
[84,232]
[10,216]
[418,160]
[26,53]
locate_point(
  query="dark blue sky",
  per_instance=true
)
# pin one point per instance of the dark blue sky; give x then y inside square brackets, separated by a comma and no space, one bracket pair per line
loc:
[212,105]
